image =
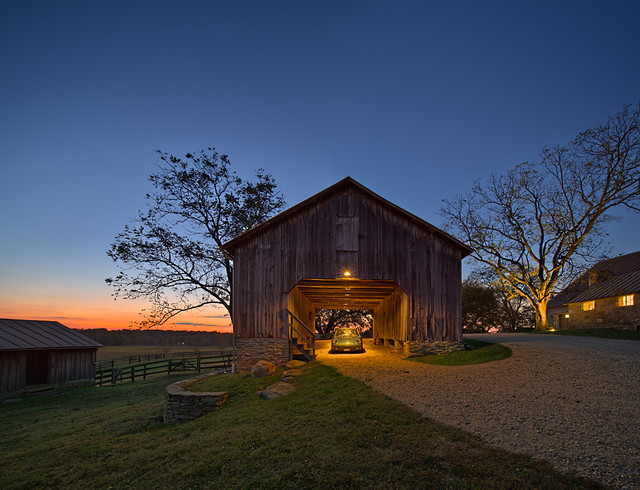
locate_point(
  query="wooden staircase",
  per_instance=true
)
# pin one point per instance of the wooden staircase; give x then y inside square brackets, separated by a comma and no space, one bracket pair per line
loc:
[302,340]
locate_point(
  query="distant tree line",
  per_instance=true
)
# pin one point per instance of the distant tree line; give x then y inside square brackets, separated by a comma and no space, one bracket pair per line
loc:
[158,337]
[328,320]
[488,305]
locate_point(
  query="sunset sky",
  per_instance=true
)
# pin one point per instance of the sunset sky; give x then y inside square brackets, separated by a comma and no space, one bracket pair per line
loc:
[415,100]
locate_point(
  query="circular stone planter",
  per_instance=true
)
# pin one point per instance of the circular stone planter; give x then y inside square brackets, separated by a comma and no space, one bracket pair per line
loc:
[181,404]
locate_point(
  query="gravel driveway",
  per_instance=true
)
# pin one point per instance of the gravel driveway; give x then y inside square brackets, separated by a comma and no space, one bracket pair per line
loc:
[573,401]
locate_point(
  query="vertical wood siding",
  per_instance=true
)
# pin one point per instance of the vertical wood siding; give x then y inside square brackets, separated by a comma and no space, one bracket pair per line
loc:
[70,365]
[64,366]
[390,318]
[302,308]
[13,371]
[349,231]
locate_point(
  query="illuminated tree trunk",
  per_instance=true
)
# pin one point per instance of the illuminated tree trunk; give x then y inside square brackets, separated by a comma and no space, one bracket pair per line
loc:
[541,221]
[542,322]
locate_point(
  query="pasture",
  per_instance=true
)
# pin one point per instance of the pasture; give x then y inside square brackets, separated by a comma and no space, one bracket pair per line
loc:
[123,352]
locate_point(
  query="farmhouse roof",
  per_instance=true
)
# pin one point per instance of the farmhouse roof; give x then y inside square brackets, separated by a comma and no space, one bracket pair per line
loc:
[37,335]
[327,193]
[622,277]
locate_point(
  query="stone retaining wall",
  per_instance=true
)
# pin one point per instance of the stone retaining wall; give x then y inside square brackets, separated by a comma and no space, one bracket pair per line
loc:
[250,351]
[417,349]
[181,404]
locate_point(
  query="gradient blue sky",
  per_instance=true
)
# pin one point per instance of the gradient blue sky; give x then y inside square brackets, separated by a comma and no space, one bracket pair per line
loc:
[415,100]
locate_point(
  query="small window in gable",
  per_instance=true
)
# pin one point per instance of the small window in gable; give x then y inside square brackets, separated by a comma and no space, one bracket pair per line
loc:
[346,234]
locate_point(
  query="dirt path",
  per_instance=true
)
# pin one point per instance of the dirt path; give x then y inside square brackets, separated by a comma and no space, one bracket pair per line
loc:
[572,401]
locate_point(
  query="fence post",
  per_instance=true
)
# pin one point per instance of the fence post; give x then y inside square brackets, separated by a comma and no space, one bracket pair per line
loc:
[169,366]
[144,372]
[198,364]
[133,373]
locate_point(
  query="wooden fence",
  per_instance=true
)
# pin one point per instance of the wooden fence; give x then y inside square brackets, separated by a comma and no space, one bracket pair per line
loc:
[105,364]
[113,375]
[171,355]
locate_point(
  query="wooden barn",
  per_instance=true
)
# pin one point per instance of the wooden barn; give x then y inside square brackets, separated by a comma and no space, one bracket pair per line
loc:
[344,248]
[43,353]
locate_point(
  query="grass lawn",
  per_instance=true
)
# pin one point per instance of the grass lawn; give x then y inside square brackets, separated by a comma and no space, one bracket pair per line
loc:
[332,432]
[605,333]
[482,352]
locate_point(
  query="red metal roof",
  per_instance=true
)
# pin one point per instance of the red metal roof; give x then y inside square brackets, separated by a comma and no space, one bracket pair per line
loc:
[33,334]
[616,286]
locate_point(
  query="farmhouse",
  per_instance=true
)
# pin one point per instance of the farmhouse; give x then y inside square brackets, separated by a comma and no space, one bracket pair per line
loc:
[606,296]
[37,353]
[344,248]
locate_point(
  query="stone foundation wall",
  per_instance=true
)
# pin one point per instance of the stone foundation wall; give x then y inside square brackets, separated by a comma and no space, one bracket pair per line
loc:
[417,349]
[250,351]
[181,404]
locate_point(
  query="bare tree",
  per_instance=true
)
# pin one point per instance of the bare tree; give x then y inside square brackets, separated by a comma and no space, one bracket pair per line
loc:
[172,254]
[328,320]
[539,220]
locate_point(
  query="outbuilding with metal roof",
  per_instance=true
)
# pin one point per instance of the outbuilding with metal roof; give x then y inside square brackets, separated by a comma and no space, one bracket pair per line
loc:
[43,353]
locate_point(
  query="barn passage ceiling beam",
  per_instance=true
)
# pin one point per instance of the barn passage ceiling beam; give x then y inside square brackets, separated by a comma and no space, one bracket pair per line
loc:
[354,294]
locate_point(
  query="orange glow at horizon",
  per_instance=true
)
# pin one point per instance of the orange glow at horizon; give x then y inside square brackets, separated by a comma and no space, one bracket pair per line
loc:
[112,321]
[90,312]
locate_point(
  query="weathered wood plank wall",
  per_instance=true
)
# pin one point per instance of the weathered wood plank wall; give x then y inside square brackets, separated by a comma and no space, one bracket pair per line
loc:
[302,308]
[390,318]
[355,232]
[64,366]
[13,371]
[68,365]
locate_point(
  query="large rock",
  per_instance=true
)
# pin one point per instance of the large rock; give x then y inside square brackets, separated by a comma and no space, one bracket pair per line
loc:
[277,390]
[290,374]
[295,363]
[263,369]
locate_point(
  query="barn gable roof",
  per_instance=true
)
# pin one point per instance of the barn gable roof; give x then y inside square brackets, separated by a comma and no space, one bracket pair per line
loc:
[326,194]
[33,334]
[622,277]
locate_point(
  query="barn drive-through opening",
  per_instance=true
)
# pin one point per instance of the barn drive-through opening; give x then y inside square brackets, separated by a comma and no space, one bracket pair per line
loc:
[385,299]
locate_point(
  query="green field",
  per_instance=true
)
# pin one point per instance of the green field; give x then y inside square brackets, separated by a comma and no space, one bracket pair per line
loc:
[332,432]
[119,352]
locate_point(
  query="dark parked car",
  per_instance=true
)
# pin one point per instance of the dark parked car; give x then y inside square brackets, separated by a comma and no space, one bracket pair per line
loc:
[347,340]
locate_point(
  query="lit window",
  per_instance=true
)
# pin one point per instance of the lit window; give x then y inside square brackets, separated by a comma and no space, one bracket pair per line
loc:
[589,305]
[626,300]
